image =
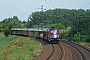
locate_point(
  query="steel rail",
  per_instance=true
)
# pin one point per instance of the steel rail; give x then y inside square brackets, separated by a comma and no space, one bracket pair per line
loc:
[62,51]
[81,46]
[83,56]
[53,49]
[61,54]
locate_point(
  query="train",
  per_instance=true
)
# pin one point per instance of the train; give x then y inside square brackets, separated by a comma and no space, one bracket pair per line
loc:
[52,35]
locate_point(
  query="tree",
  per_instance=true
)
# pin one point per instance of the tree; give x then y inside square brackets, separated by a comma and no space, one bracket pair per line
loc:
[6,32]
[88,39]
[9,23]
[77,37]
[59,26]
[70,35]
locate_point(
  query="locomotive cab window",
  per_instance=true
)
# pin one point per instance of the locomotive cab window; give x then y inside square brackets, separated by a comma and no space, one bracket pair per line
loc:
[53,31]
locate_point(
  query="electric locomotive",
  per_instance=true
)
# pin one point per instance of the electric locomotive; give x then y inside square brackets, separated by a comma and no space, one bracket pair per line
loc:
[51,34]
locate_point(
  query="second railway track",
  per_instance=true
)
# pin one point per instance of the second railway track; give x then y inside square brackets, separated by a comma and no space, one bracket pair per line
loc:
[82,50]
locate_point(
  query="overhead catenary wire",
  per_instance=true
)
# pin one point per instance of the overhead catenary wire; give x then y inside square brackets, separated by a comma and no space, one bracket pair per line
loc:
[48,4]
[87,5]
[52,3]
[83,4]
[26,4]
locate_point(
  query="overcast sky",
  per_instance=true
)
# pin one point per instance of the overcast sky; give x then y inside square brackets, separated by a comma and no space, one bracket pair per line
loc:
[23,8]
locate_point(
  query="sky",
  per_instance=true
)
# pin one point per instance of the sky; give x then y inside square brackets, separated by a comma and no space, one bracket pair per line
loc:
[23,8]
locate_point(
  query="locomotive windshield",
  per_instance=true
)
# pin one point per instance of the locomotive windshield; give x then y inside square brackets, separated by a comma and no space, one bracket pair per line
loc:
[53,31]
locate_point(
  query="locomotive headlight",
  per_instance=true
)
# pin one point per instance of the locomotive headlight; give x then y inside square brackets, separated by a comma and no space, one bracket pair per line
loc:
[41,35]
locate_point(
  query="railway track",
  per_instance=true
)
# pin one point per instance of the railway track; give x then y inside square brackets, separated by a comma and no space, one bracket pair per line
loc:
[64,50]
[85,53]
[57,52]
[51,52]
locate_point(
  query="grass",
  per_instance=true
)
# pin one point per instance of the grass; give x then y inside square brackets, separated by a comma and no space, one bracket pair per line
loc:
[85,44]
[18,48]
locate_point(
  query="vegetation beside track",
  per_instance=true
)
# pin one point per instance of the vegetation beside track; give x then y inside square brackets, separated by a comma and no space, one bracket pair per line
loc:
[17,47]
[85,44]
[74,24]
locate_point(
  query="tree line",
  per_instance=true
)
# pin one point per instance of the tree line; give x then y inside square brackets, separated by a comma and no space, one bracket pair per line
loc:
[77,19]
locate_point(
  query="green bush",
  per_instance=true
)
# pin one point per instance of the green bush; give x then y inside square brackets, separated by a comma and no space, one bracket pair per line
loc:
[1,29]
[81,38]
[6,33]
[64,35]
[77,37]
[84,38]
[59,26]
